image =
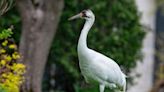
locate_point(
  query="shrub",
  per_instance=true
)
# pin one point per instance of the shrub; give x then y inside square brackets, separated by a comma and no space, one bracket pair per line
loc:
[116,33]
[11,72]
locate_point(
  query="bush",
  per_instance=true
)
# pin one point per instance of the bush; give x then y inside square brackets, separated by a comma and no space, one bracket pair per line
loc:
[116,33]
[11,72]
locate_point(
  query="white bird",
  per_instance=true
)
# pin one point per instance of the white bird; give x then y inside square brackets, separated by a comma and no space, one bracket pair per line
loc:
[94,66]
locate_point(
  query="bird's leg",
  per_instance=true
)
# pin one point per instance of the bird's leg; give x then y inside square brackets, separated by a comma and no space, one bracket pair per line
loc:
[101,87]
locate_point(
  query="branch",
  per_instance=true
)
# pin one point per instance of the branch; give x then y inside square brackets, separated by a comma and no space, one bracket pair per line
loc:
[5,5]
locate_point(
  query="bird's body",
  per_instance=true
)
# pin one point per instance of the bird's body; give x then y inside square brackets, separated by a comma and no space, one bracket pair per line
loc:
[96,67]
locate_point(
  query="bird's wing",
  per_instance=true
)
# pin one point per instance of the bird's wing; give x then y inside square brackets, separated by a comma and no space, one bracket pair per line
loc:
[108,69]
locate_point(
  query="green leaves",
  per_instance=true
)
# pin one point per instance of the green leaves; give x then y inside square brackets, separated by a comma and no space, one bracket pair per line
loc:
[116,33]
[5,33]
[2,89]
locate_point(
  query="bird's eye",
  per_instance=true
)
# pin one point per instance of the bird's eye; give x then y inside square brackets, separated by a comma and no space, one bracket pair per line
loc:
[84,14]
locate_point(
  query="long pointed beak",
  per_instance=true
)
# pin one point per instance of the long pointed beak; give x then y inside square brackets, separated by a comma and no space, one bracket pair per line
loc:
[75,17]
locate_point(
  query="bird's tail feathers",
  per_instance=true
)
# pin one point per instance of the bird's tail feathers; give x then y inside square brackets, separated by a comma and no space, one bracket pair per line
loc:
[125,75]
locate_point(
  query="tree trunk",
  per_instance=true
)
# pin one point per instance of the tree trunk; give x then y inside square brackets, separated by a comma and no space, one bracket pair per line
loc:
[39,23]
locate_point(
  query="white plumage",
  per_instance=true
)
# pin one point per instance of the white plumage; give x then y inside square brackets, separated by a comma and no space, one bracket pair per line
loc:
[96,67]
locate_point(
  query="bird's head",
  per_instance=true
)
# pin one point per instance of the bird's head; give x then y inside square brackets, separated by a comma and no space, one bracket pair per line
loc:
[85,14]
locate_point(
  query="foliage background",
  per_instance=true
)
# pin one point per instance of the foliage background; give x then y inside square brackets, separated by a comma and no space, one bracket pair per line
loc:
[116,33]
[11,72]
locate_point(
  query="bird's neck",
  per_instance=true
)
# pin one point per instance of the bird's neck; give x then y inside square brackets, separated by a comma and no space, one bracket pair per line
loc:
[82,44]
